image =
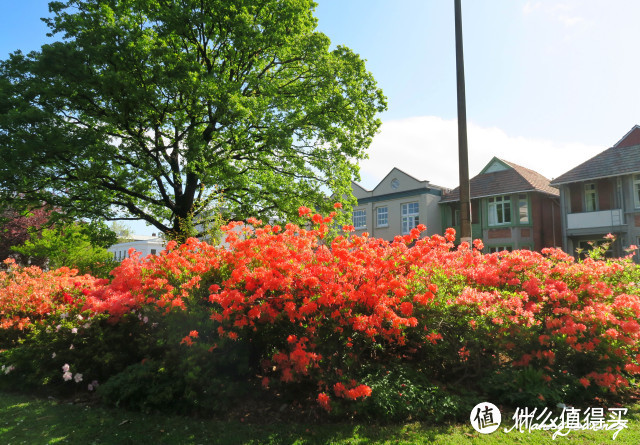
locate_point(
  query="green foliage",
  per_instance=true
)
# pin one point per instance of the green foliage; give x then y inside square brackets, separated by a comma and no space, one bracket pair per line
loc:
[157,110]
[99,233]
[400,392]
[524,387]
[191,380]
[95,349]
[73,245]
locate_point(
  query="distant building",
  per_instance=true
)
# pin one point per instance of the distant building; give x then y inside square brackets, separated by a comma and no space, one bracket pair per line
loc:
[512,207]
[147,245]
[601,196]
[396,205]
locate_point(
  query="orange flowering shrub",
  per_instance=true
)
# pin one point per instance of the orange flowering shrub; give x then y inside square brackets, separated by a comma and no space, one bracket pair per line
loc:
[566,318]
[318,310]
[29,295]
[166,280]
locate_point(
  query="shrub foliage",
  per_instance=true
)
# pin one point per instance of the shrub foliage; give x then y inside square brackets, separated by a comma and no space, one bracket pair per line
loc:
[359,325]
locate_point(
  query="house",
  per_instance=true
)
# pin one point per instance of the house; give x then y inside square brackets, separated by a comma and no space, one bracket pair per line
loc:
[147,245]
[512,207]
[396,205]
[601,196]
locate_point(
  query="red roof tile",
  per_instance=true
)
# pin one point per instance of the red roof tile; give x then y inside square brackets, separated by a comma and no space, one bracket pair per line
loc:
[512,180]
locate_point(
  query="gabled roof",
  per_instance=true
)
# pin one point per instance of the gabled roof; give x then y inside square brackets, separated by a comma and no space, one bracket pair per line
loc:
[501,177]
[355,184]
[414,185]
[623,158]
[396,170]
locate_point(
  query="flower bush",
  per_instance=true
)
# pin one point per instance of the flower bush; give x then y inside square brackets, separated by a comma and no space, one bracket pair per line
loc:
[327,317]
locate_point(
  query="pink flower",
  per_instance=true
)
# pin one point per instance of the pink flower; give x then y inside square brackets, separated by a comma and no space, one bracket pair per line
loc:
[67,376]
[65,368]
[78,378]
[74,330]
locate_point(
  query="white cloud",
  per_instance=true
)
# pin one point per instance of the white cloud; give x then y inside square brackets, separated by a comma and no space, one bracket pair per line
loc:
[571,21]
[529,7]
[427,148]
[561,12]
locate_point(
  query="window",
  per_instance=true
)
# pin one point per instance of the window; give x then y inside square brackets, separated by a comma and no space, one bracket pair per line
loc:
[590,197]
[456,217]
[495,249]
[410,214]
[153,251]
[499,210]
[382,216]
[523,209]
[636,191]
[360,219]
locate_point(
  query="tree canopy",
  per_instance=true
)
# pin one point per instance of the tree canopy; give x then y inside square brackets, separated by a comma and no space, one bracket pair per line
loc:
[164,109]
[16,228]
[76,245]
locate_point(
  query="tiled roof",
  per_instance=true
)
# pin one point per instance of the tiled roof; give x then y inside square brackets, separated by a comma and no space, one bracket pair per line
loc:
[623,158]
[514,179]
[614,161]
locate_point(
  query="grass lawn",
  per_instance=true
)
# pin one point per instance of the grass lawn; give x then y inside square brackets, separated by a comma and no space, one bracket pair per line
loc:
[28,420]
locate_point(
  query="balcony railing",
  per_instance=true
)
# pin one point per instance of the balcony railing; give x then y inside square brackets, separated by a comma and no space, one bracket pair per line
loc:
[591,220]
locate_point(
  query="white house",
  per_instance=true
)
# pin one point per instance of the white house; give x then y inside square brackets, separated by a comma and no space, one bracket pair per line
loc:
[396,205]
[147,245]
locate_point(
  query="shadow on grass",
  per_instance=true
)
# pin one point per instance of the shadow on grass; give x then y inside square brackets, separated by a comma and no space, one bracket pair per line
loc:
[29,420]
[25,419]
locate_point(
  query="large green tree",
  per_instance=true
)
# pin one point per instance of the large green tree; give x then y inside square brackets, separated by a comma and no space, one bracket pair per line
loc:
[166,109]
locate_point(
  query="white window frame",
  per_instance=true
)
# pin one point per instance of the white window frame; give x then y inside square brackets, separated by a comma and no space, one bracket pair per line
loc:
[590,197]
[382,216]
[496,206]
[523,217]
[410,213]
[360,219]
[495,249]
[636,191]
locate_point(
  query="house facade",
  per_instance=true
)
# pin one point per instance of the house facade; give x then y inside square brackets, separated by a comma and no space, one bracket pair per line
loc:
[512,207]
[147,245]
[602,196]
[396,205]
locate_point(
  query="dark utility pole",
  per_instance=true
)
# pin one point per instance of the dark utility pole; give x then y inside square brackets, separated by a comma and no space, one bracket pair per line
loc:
[463,156]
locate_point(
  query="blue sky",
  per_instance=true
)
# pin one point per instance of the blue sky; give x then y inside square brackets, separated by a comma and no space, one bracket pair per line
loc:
[548,83]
